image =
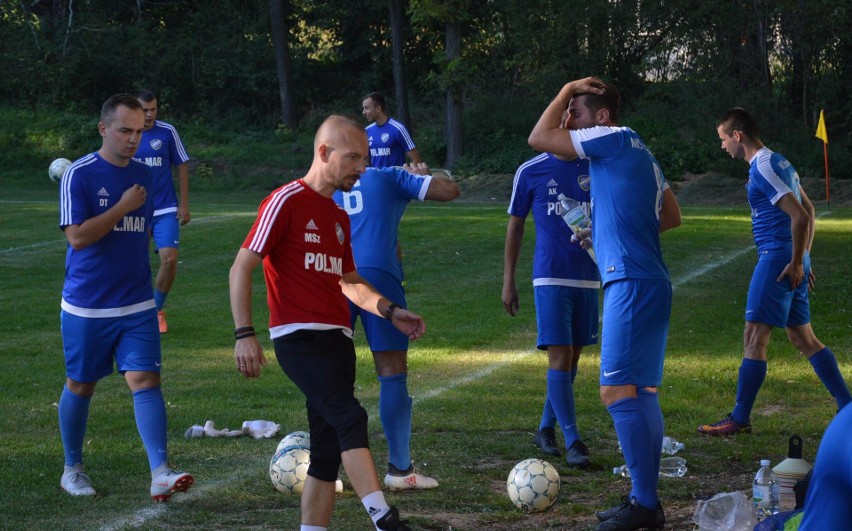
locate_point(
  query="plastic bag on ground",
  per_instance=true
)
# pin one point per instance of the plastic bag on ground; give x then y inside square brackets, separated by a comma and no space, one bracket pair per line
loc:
[731,511]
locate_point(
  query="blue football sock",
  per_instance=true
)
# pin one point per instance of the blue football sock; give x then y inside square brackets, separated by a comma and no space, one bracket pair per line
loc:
[395,413]
[634,436]
[752,374]
[160,298]
[150,410]
[73,415]
[560,396]
[548,417]
[650,403]
[825,366]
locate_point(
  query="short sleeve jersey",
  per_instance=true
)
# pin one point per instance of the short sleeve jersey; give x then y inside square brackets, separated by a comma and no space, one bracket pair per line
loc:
[112,276]
[770,177]
[161,148]
[537,184]
[306,248]
[375,206]
[627,196]
[389,143]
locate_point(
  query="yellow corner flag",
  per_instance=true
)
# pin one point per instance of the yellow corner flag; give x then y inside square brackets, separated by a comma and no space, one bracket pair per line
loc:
[821,133]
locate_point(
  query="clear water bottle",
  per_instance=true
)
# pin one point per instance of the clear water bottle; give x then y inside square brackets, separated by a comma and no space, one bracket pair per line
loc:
[575,217]
[670,467]
[671,446]
[766,492]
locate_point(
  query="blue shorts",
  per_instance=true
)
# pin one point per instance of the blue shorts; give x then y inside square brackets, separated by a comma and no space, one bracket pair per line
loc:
[91,344]
[381,334]
[776,303]
[165,230]
[635,328]
[566,316]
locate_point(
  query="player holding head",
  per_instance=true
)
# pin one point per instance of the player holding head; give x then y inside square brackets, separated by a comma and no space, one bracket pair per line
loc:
[108,313]
[390,142]
[161,148]
[303,240]
[632,206]
[375,206]
[565,283]
[783,225]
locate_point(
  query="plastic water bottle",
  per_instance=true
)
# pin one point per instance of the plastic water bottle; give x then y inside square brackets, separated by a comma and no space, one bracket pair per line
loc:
[766,492]
[575,217]
[671,446]
[670,467]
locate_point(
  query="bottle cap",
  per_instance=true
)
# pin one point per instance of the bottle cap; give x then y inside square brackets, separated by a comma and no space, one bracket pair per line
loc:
[764,462]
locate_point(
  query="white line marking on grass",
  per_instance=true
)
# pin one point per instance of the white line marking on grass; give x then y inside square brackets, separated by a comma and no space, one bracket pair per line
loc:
[711,266]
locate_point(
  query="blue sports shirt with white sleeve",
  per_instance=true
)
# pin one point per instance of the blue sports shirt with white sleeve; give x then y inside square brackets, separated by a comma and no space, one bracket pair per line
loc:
[389,143]
[771,177]
[161,148]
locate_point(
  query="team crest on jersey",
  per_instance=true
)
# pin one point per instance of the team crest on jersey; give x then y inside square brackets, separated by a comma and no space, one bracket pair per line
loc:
[339,231]
[385,137]
[156,144]
[585,182]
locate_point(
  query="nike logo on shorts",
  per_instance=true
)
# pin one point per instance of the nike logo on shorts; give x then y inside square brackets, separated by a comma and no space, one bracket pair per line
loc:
[608,374]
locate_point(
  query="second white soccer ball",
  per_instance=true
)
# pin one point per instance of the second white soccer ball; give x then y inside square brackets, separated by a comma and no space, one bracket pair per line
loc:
[288,469]
[57,169]
[296,439]
[533,485]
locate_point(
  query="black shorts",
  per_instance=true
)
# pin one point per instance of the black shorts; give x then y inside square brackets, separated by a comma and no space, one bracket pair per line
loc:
[322,365]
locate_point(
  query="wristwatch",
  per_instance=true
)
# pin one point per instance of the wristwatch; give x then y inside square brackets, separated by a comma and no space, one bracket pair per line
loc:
[389,310]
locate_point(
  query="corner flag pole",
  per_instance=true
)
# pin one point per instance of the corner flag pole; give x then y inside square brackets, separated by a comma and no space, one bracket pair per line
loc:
[822,134]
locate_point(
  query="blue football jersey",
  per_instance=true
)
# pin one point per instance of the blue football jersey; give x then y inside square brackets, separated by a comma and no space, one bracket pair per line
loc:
[375,206]
[389,143]
[627,196]
[161,148]
[770,177]
[537,184]
[111,277]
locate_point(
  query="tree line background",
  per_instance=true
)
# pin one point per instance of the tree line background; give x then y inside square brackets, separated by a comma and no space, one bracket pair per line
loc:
[470,77]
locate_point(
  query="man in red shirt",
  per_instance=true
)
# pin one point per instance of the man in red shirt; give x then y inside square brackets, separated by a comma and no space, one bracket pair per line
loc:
[302,238]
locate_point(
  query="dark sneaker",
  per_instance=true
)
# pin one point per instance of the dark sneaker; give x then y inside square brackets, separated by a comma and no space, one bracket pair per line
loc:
[391,522]
[630,516]
[577,455]
[545,439]
[726,426]
[603,516]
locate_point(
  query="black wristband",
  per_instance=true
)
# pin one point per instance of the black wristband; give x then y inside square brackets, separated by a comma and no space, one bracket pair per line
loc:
[239,333]
[244,335]
[389,310]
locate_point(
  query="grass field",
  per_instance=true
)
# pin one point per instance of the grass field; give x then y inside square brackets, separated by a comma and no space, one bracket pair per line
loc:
[477,383]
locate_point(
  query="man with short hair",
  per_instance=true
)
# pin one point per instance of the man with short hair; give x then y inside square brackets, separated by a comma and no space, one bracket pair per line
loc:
[390,142]
[161,148]
[782,219]
[631,206]
[303,240]
[108,313]
[375,206]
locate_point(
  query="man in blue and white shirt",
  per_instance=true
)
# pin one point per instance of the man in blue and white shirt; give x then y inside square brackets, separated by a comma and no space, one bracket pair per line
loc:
[631,205]
[782,219]
[390,142]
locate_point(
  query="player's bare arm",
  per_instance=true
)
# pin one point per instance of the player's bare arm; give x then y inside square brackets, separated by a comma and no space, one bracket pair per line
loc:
[514,239]
[95,228]
[670,213]
[183,183]
[799,227]
[365,296]
[248,354]
[547,136]
[414,156]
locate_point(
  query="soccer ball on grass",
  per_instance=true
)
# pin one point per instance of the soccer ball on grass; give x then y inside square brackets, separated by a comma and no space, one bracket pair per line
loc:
[288,469]
[296,439]
[57,169]
[533,485]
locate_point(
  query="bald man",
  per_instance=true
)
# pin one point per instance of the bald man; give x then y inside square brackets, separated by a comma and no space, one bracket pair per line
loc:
[302,238]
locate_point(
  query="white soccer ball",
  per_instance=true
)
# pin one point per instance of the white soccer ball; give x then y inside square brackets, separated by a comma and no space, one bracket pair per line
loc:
[288,469]
[57,168]
[297,439]
[533,485]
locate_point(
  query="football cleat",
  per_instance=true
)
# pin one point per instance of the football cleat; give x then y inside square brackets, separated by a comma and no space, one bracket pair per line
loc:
[629,515]
[391,522]
[577,455]
[161,321]
[167,482]
[75,482]
[726,426]
[545,439]
[408,479]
